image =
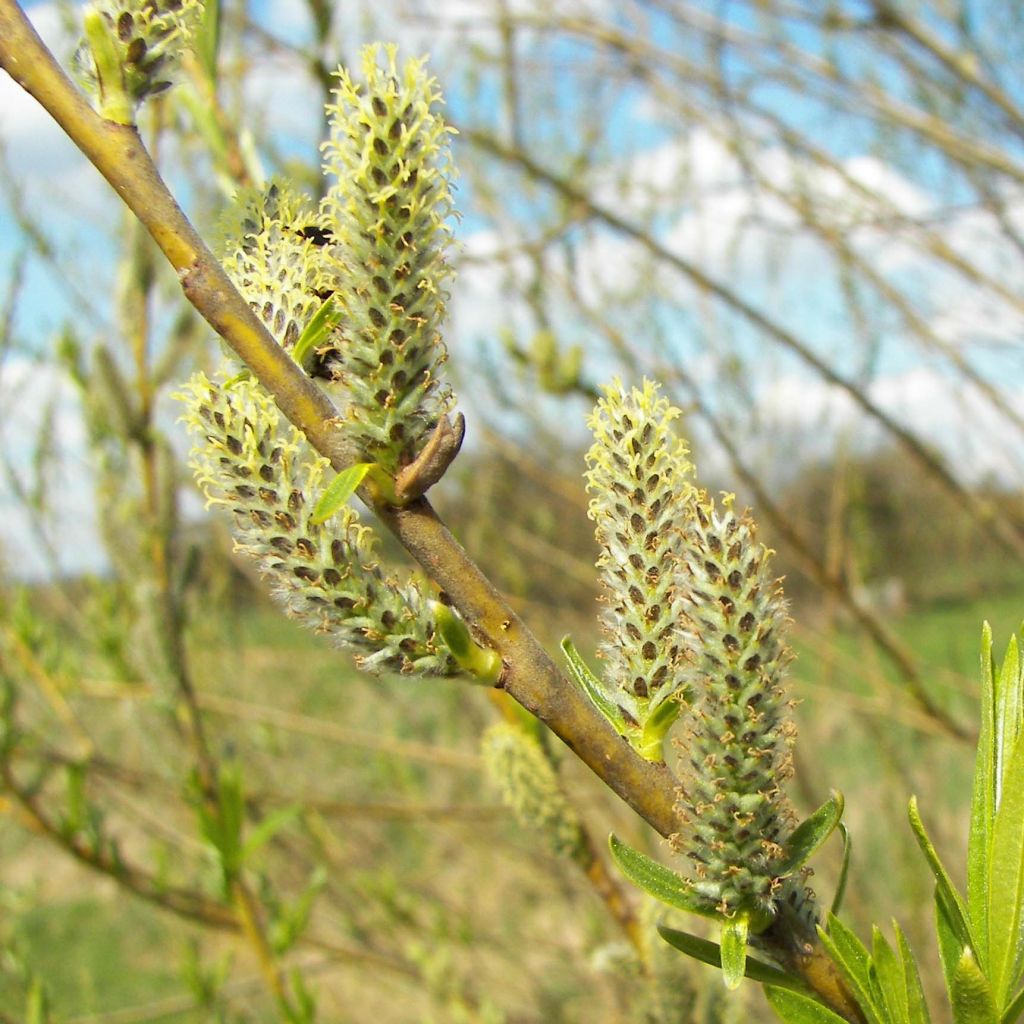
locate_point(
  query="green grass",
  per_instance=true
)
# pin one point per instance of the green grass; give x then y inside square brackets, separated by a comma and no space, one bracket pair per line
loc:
[473,900]
[97,954]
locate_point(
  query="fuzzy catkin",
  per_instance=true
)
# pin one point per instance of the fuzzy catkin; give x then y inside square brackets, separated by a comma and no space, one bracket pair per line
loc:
[738,732]
[327,576]
[387,208]
[516,763]
[148,37]
[271,249]
[639,478]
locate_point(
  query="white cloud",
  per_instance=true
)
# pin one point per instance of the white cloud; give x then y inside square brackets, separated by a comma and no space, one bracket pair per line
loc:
[32,393]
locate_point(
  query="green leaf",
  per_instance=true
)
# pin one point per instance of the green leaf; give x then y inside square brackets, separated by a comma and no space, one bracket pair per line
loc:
[481,662]
[795,1008]
[36,1003]
[591,685]
[114,102]
[844,871]
[664,885]
[328,316]
[340,489]
[1006,882]
[888,974]
[1012,1013]
[652,739]
[734,949]
[207,38]
[268,828]
[970,993]
[709,952]
[951,898]
[983,803]
[851,957]
[811,833]
[950,946]
[1008,716]
[917,1007]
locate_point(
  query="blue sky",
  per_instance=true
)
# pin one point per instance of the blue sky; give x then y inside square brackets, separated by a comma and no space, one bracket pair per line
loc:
[80,218]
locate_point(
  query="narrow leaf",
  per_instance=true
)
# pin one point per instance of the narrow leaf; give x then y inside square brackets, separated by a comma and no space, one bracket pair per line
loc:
[958,912]
[1012,1013]
[851,957]
[590,684]
[888,973]
[339,490]
[481,662]
[795,1008]
[1006,882]
[207,38]
[844,871]
[664,885]
[811,833]
[316,331]
[971,995]
[983,804]
[1008,711]
[268,828]
[950,946]
[917,1008]
[709,952]
[652,740]
[734,949]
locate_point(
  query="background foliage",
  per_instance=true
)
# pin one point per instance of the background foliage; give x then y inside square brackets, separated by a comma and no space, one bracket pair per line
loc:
[803,218]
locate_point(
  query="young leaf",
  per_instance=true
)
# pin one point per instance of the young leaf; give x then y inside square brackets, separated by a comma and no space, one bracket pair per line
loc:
[664,885]
[1012,1013]
[1008,715]
[1006,882]
[652,740]
[319,326]
[951,898]
[590,684]
[709,952]
[983,804]
[340,489]
[888,975]
[950,946]
[970,993]
[481,662]
[811,833]
[853,961]
[734,949]
[795,1008]
[917,1008]
[844,870]
[268,828]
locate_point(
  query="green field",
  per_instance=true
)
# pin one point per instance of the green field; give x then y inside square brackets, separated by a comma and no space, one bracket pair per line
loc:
[424,867]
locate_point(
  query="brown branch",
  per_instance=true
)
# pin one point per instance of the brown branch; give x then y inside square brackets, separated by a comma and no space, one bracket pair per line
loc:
[528,674]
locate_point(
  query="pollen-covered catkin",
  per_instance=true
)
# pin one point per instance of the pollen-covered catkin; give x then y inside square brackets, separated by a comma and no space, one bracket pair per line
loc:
[639,478]
[738,732]
[326,575]
[387,208]
[141,42]
[270,249]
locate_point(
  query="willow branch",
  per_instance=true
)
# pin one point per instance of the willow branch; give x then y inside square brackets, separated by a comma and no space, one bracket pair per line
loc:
[530,677]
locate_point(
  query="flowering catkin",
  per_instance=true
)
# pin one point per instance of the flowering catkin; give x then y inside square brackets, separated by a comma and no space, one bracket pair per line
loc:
[639,478]
[517,765]
[326,575]
[738,734]
[133,49]
[387,208]
[271,249]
